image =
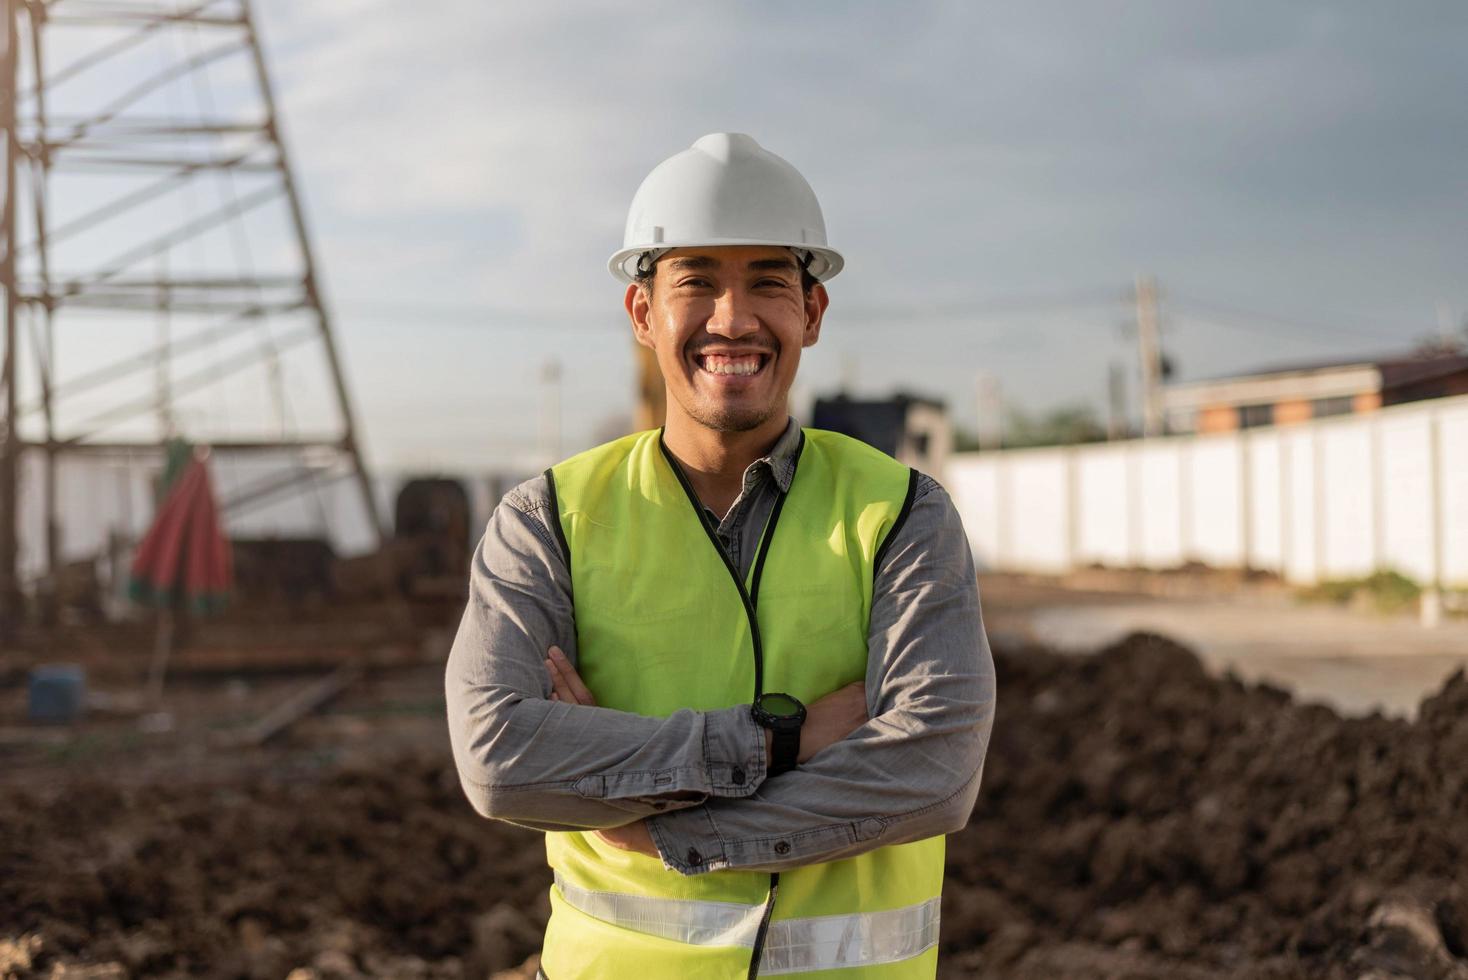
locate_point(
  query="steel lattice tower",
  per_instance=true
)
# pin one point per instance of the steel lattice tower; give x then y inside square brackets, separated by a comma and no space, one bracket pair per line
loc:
[124,237]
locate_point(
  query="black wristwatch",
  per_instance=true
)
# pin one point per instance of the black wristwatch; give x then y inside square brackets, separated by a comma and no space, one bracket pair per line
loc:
[782,715]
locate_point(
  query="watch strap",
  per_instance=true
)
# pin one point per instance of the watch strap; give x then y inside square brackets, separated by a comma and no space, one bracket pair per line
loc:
[784,749]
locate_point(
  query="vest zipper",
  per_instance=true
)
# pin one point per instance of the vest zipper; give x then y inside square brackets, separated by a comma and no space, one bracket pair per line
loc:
[749,597]
[764,927]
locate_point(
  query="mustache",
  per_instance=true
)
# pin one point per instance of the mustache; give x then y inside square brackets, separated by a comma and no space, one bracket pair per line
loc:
[758,347]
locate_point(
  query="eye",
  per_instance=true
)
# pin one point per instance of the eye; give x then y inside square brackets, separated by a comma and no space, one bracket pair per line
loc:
[694,282]
[772,284]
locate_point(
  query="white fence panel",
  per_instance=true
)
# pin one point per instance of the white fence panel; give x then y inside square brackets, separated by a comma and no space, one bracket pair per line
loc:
[1406,495]
[1347,524]
[1213,501]
[1301,506]
[1453,461]
[1266,523]
[972,480]
[1104,533]
[1158,466]
[1038,518]
[97,497]
[92,499]
[1337,498]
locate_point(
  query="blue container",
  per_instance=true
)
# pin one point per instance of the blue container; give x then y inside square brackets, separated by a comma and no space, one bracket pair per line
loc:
[58,693]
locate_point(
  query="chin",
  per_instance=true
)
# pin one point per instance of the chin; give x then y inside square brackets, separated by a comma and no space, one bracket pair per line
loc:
[730,419]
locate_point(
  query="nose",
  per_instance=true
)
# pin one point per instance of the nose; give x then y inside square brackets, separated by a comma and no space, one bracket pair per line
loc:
[733,315]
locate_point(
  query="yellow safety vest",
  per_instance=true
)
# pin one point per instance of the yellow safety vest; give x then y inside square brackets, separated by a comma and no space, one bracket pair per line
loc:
[663,623]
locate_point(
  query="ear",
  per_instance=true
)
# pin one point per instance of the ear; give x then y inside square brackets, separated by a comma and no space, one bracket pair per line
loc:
[638,310]
[816,302]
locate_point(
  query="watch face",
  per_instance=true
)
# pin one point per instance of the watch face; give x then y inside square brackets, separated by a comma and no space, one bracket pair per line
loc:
[780,705]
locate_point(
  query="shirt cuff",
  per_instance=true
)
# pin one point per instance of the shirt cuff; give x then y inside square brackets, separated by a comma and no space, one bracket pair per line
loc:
[733,752]
[732,766]
[689,842]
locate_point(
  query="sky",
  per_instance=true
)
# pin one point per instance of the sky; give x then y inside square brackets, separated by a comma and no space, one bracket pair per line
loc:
[996,175]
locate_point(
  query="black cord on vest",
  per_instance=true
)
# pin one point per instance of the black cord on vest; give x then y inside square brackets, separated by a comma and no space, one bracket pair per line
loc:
[764,927]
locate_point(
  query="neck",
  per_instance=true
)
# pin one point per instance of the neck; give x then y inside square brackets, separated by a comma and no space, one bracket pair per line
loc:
[714,461]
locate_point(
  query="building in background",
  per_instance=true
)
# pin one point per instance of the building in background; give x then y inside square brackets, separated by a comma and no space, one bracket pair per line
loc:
[1298,393]
[911,429]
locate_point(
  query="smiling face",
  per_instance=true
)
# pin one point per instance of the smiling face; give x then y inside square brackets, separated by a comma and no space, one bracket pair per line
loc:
[728,324]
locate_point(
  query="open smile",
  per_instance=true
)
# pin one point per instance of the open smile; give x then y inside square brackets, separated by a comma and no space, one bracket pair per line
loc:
[743,365]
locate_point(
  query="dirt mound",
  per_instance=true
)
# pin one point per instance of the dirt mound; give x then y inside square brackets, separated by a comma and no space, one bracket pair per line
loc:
[382,871]
[1138,819]
[1133,804]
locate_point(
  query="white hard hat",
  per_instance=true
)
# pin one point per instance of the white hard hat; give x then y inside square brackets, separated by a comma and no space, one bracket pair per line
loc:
[724,190]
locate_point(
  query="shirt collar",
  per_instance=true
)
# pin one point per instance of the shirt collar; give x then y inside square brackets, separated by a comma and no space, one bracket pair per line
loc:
[781,458]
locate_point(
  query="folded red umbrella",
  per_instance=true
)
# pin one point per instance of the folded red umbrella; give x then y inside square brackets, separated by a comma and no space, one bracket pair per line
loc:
[184,558]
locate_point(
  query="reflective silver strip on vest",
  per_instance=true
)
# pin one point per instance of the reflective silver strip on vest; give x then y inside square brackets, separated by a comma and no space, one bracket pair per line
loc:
[822,942]
[682,920]
[829,942]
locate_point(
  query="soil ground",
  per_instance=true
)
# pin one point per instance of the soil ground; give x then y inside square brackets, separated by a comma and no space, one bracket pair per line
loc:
[1353,660]
[1139,818]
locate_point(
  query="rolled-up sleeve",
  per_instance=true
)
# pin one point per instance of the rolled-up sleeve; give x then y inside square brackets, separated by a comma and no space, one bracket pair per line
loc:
[555,766]
[913,770]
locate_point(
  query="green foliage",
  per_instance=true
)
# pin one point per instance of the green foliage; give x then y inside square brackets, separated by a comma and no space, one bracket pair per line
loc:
[965,440]
[1064,426]
[1387,591]
[1067,425]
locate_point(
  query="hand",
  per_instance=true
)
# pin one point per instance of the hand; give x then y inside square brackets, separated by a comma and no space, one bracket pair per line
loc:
[831,719]
[565,682]
[567,686]
[631,837]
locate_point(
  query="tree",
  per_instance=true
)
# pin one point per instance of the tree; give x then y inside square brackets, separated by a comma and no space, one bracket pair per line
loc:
[1066,425]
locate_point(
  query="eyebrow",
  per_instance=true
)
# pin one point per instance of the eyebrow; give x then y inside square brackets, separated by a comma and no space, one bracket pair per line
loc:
[706,262]
[783,265]
[693,262]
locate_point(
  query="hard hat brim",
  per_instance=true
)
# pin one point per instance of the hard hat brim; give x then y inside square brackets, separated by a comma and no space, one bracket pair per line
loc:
[825,263]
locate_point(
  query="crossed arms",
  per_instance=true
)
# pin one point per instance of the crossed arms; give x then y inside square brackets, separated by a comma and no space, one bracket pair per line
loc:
[696,782]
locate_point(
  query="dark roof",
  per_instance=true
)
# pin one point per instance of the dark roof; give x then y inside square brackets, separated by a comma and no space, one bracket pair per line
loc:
[1394,374]
[1396,369]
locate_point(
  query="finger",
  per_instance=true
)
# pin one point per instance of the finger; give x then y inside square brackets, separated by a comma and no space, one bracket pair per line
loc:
[562,690]
[563,677]
[581,692]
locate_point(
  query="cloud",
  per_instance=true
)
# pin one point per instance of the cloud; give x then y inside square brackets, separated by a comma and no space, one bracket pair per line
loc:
[1305,156]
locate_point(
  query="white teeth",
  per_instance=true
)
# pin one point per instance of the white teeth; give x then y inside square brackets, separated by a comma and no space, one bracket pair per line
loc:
[719,364]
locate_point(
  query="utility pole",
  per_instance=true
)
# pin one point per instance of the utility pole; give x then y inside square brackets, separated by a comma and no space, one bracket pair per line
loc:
[990,403]
[1115,402]
[550,412]
[849,369]
[1150,348]
[1446,337]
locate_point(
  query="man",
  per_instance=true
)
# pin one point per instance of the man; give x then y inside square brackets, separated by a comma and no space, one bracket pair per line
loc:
[733,668]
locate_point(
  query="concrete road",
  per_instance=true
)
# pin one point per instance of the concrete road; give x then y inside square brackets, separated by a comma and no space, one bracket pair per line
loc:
[1356,662]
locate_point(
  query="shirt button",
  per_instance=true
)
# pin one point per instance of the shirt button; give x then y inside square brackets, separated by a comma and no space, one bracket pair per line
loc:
[782,847]
[694,857]
[737,776]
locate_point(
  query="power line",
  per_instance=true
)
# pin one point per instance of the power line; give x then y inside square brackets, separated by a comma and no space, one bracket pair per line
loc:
[1254,319]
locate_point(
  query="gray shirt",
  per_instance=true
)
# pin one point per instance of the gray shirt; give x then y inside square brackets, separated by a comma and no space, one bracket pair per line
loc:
[911,772]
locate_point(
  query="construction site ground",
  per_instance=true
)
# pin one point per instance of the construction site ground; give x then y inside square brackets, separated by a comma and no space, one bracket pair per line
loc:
[1143,814]
[1355,660]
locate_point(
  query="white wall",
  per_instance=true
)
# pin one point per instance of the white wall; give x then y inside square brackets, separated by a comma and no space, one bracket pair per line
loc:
[1335,498]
